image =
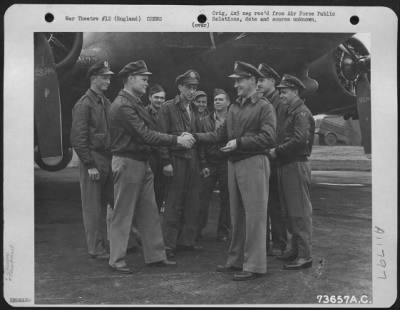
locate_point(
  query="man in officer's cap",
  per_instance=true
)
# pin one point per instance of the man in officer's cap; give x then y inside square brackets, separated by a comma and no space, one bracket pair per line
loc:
[133,133]
[215,168]
[91,140]
[180,216]
[266,86]
[250,132]
[294,144]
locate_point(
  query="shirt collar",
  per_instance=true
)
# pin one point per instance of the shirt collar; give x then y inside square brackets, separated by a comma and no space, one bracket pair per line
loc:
[178,101]
[294,105]
[272,95]
[130,97]
[217,118]
[95,96]
[252,99]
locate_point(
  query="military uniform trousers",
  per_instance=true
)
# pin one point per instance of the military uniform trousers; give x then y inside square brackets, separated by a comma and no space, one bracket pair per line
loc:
[95,195]
[294,187]
[180,217]
[276,221]
[159,181]
[248,185]
[135,205]
[218,174]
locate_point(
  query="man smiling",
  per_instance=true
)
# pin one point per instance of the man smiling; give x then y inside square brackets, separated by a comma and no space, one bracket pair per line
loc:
[180,216]
[132,134]
[90,138]
[295,139]
[250,131]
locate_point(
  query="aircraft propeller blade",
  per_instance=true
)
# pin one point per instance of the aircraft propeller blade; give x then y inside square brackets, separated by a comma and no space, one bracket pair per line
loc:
[347,50]
[363,90]
[47,104]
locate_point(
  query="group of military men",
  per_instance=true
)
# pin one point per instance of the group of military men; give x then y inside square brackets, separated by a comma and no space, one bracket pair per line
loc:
[157,166]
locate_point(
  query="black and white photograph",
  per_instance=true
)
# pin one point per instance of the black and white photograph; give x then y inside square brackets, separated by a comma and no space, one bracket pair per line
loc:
[205,167]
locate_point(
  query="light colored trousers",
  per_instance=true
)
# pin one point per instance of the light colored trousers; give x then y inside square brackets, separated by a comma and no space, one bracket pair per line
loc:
[135,205]
[248,183]
[95,195]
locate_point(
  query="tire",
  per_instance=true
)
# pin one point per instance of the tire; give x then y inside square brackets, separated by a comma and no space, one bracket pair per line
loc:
[67,157]
[330,139]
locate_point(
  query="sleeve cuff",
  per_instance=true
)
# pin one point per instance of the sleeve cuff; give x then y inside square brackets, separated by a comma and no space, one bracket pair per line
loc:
[165,162]
[90,165]
[239,143]
[203,164]
[196,137]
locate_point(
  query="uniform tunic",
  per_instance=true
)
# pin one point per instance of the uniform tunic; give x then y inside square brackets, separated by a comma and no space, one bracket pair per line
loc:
[91,140]
[252,123]
[132,137]
[295,139]
[180,216]
[217,163]
[155,163]
[276,222]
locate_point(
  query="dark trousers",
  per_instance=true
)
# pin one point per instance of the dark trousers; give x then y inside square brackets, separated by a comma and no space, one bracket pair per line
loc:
[95,196]
[276,224]
[180,216]
[159,181]
[218,174]
[294,186]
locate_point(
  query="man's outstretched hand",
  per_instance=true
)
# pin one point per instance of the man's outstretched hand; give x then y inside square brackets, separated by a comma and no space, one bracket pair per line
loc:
[186,140]
[230,146]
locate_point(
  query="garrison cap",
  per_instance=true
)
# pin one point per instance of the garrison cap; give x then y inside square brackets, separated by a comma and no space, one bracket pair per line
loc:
[156,88]
[100,68]
[189,77]
[199,93]
[138,67]
[244,70]
[268,72]
[290,81]
[219,91]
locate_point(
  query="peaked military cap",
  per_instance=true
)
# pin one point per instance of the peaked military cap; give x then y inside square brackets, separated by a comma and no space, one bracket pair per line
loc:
[138,67]
[243,69]
[200,93]
[290,81]
[100,68]
[189,77]
[268,72]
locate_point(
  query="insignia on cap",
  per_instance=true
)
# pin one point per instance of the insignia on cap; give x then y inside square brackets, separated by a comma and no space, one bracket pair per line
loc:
[106,64]
[192,75]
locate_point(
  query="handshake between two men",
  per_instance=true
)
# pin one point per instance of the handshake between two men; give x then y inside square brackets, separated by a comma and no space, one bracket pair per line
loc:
[187,140]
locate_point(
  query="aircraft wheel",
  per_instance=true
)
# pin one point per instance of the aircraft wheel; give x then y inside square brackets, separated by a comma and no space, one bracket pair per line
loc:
[67,157]
[330,139]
